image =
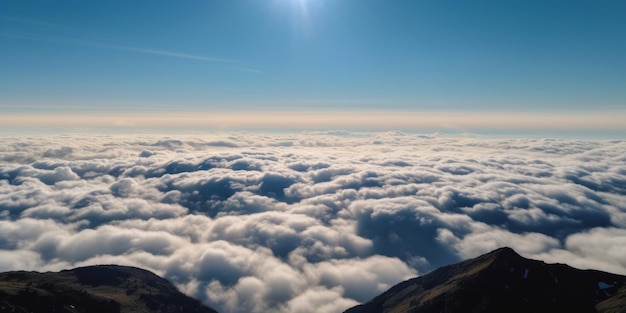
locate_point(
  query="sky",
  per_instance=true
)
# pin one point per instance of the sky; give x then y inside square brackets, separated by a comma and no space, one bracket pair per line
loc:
[112,61]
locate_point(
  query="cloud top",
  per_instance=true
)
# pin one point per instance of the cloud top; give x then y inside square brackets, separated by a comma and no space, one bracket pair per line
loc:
[305,222]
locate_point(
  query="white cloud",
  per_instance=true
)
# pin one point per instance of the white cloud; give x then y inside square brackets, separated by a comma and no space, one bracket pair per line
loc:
[307,222]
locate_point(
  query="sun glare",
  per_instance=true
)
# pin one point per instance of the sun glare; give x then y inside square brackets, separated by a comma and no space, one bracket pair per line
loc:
[300,12]
[299,8]
[302,4]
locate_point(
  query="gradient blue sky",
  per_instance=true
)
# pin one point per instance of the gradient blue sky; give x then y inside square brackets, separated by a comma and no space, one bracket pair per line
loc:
[535,57]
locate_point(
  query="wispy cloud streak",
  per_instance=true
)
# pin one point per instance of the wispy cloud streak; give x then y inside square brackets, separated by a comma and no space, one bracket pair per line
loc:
[167,53]
[90,43]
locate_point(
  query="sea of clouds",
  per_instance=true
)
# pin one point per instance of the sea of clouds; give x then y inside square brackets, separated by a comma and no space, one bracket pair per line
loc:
[306,222]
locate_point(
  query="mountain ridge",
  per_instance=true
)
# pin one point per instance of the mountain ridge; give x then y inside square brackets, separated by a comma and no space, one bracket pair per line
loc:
[498,281]
[98,288]
[502,281]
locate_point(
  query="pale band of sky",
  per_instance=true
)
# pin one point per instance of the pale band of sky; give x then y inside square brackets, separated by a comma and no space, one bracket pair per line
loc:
[373,120]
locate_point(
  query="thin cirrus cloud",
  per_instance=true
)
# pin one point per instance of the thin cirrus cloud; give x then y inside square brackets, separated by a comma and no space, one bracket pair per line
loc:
[305,222]
[165,53]
[91,43]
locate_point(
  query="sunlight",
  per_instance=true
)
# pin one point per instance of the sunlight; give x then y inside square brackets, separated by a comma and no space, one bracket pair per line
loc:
[299,4]
[300,12]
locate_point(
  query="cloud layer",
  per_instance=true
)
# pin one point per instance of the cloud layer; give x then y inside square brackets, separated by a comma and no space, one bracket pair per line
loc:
[307,222]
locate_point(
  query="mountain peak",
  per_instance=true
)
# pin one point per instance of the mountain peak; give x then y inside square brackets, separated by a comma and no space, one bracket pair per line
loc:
[504,252]
[500,281]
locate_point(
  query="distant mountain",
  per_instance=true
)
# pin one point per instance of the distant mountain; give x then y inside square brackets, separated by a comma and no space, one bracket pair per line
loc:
[93,289]
[503,281]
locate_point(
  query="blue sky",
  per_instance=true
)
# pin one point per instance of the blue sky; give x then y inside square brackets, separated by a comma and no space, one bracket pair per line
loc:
[534,57]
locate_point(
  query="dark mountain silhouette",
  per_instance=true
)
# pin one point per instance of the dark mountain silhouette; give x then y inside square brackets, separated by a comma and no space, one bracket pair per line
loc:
[503,281]
[93,289]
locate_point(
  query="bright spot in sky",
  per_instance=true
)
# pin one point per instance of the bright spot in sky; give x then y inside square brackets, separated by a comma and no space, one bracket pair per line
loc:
[296,6]
[300,12]
[302,4]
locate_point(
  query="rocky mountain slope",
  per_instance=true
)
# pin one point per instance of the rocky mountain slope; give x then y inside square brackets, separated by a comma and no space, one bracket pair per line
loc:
[503,281]
[500,281]
[93,289]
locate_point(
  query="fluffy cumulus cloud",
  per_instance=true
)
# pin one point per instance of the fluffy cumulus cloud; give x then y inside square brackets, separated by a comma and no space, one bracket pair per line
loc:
[306,222]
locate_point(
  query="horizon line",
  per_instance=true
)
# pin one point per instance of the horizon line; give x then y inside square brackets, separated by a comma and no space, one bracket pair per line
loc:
[328,119]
